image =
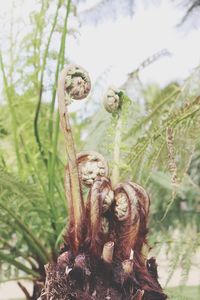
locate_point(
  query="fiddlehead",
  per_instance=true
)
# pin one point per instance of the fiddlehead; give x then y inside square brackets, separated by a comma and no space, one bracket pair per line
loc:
[73,83]
[100,199]
[91,165]
[112,100]
[77,83]
[127,220]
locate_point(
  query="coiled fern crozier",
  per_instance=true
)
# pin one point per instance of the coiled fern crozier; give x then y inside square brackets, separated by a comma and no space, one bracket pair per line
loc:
[105,247]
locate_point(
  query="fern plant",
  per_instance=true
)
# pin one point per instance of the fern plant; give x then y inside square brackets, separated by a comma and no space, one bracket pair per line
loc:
[27,175]
[159,134]
[159,140]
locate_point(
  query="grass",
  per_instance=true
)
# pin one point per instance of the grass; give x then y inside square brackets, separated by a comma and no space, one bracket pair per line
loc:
[184,293]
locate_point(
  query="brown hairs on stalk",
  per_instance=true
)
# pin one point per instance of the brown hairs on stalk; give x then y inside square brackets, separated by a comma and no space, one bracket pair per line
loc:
[131,231]
[146,279]
[143,204]
[92,169]
[127,220]
[131,212]
[98,205]
[69,235]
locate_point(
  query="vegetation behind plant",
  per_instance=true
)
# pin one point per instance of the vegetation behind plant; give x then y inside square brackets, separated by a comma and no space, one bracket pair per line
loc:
[159,149]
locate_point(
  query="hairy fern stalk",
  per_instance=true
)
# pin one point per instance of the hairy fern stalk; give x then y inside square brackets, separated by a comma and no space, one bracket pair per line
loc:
[103,255]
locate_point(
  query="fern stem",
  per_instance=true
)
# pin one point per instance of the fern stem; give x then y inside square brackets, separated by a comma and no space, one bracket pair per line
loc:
[75,188]
[116,153]
[11,260]
[59,67]
[74,191]
[52,158]
[24,290]
[17,252]
[35,243]
[36,130]
[37,172]
[13,115]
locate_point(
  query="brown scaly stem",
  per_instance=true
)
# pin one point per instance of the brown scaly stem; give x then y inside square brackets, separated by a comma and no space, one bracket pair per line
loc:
[76,198]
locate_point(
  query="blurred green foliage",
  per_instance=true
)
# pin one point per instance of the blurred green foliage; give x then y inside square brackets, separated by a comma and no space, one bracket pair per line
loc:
[184,293]
[33,211]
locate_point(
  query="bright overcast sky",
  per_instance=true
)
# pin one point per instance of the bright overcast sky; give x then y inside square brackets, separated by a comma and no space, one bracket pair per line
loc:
[122,45]
[125,43]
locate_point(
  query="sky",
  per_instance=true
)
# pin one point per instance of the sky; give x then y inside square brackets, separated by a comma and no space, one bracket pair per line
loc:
[122,45]
[117,48]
